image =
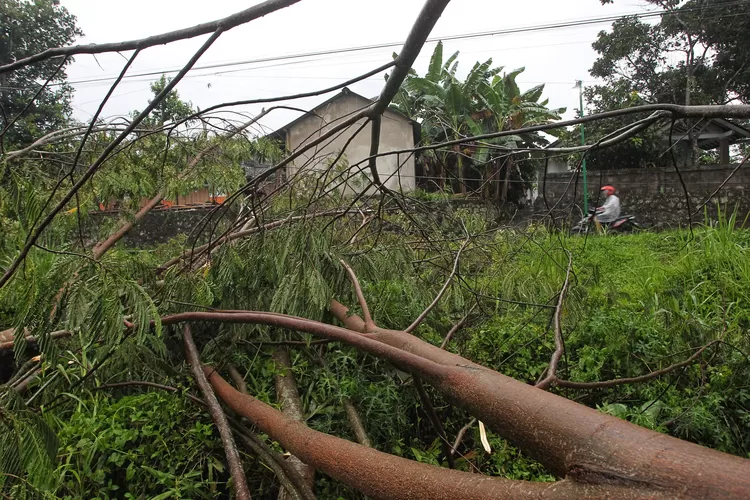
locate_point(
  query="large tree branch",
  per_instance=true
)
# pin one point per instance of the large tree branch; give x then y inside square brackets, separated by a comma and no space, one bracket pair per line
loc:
[380,475]
[224,24]
[220,419]
[550,428]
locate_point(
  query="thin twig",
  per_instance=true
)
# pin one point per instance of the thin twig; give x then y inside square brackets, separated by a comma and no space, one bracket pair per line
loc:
[559,345]
[731,174]
[436,423]
[457,327]
[442,291]
[633,380]
[239,481]
[462,433]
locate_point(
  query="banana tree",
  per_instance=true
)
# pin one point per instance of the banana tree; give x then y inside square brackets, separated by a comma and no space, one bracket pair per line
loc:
[505,107]
[450,109]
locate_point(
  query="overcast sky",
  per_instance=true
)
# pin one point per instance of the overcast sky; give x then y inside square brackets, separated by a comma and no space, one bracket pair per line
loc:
[556,57]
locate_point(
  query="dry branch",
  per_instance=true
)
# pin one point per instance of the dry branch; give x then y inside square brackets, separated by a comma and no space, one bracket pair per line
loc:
[239,482]
[442,291]
[287,395]
[633,380]
[224,24]
[355,422]
[369,323]
[457,327]
[461,434]
[559,344]
[237,379]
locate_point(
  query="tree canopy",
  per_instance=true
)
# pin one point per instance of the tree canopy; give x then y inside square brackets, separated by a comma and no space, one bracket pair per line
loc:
[28,27]
[690,56]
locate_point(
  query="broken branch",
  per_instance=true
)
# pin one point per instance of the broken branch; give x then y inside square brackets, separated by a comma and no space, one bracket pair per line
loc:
[220,419]
[559,344]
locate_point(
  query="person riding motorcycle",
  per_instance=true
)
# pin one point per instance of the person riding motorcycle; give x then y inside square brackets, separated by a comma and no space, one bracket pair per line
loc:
[610,210]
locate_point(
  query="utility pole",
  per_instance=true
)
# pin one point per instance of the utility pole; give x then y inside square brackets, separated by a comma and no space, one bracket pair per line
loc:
[579,84]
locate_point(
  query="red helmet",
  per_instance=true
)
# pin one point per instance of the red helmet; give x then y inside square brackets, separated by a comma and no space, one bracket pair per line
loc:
[609,190]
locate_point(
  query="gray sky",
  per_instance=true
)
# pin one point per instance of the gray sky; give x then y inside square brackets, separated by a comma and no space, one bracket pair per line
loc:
[556,57]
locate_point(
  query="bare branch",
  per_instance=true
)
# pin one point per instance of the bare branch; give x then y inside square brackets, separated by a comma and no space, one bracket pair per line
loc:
[224,24]
[633,380]
[457,327]
[559,345]
[355,422]
[239,482]
[442,291]
[716,191]
[237,379]
[34,236]
[369,323]
[461,434]
[436,423]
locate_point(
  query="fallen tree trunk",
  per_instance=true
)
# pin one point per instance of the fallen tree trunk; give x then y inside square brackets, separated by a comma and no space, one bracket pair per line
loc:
[569,439]
[380,475]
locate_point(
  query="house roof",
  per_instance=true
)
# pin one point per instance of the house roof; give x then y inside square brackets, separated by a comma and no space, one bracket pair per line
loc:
[313,112]
[712,133]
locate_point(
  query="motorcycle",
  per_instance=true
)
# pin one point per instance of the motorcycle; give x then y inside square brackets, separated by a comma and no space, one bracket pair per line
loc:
[623,224]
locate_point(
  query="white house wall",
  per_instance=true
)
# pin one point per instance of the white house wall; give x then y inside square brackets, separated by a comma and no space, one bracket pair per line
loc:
[396,133]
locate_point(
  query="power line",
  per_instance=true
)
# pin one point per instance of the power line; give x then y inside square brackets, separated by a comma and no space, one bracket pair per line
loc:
[464,36]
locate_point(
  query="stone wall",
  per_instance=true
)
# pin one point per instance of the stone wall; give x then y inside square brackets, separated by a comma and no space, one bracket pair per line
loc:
[655,196]
[159,226]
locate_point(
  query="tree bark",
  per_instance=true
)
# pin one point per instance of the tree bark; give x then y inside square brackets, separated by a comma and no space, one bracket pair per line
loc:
[291,404]
[383,476]
[355,422]
[569,439]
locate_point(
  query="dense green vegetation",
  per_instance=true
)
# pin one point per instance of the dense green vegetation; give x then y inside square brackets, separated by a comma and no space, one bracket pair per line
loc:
[637,303]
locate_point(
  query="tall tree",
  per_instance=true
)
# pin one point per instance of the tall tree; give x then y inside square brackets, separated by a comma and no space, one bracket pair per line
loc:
[26,28]
[691,56]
